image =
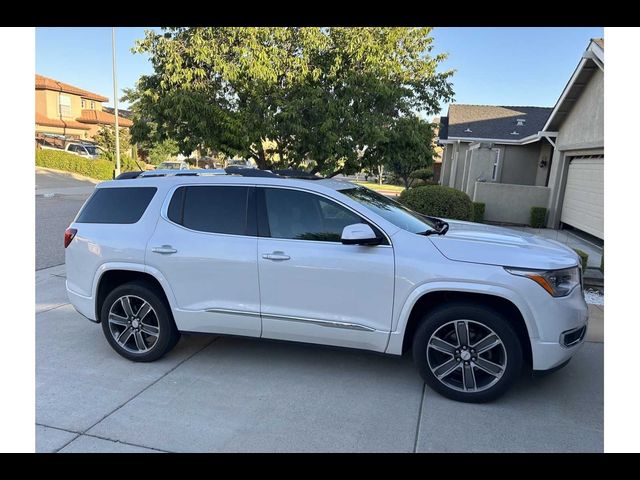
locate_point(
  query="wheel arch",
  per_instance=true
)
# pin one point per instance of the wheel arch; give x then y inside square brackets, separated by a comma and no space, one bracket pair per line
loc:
[423,302]
[110,276]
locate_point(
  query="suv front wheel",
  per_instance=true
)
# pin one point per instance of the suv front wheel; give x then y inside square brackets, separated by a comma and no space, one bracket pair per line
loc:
[137,322]
[466,352]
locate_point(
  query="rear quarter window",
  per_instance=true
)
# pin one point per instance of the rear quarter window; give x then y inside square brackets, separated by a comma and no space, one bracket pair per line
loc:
[116,205]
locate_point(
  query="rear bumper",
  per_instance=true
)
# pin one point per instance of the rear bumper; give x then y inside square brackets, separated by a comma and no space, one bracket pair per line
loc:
[84,305]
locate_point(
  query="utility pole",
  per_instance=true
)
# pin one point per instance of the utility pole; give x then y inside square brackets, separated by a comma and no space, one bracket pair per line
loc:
[115,98]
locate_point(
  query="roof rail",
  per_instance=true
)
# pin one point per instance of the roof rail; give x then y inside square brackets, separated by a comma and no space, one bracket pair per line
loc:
[240,171]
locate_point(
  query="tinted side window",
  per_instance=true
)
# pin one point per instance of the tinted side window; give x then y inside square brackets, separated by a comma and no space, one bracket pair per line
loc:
[304,216]
[215,209]
[116,205]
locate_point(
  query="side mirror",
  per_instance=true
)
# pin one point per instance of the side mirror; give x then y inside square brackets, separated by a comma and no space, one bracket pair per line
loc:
[359,234]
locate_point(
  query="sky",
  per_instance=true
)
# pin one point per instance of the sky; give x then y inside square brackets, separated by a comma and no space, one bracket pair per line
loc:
[494,65]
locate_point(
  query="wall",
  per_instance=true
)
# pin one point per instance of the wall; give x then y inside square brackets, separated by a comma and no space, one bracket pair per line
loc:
[545,155]
[582,132]
[61,131]
[507,203]
[520,164]
[584,126]
[41,102]
[445,170]
[462,153]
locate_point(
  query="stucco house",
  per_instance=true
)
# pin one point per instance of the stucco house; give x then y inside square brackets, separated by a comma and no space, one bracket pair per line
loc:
[67,110]
[514,158]
[576,126]
[493,153]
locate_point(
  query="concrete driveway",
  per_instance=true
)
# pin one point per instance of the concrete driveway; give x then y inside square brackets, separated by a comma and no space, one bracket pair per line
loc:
[219,394]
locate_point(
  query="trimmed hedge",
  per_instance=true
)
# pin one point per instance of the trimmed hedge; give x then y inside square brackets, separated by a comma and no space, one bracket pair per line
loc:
[538,217]
[98,169]
[478,212]
[584,257]
[438,201]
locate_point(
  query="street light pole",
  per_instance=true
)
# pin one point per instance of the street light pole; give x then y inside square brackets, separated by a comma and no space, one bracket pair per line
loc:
[115,98]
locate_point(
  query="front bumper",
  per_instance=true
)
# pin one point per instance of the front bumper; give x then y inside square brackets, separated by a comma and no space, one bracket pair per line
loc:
[562,324]
[84,305]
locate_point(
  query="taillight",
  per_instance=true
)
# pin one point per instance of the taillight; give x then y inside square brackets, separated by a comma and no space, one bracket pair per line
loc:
[69,233]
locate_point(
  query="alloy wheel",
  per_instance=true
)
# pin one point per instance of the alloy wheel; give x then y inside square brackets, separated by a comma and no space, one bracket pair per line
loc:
[466,356]
[133,323]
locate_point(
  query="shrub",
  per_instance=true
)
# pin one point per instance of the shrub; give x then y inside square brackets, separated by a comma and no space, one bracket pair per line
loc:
[438,201]
[99,169]
[128,164]
[422,174]
[584,257]
[478,212]
[538,217]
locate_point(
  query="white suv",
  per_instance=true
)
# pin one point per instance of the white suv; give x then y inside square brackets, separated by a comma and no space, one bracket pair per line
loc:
[321,261]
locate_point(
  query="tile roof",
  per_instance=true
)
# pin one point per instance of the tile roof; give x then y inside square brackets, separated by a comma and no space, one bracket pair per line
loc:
[97,116]
[56,122]
[45,83]
[493,122]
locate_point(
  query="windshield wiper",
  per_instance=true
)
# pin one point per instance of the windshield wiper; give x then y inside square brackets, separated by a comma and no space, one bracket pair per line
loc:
[442,227]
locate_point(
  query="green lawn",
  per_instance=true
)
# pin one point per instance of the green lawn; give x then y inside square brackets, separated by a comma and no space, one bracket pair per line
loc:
[384,187]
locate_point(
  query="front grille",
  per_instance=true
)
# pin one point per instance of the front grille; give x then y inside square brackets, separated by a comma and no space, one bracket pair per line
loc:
[572,337]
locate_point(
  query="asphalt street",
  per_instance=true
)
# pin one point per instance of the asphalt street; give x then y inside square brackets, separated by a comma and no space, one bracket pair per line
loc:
[59,196]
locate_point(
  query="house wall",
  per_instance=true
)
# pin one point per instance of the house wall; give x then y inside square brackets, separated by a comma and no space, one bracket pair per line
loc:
[520,164]
[459,169]
[61,131]
[41,102]
[581,133]
[546,151]
[508,203]
[445,170]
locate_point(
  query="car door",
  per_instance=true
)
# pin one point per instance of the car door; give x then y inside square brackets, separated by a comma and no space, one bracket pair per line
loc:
[312,287]
[205,245]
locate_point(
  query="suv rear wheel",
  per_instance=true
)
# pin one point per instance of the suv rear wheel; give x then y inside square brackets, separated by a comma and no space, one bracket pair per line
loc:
[466,352]
[137,322]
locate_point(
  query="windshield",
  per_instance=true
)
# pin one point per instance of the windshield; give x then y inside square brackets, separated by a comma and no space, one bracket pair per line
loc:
[390,210]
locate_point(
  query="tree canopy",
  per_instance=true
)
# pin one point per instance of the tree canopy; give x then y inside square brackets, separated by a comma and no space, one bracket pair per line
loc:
[291,97]
[406,147]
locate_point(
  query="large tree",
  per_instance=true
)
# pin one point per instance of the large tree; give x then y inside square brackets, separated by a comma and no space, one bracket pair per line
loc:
[406,147]
[315,97]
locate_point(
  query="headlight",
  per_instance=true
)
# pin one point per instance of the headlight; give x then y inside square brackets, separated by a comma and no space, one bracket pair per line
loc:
[558,283]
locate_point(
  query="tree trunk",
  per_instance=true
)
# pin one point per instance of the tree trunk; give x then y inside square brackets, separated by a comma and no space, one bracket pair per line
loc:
[406,181]
[380,173]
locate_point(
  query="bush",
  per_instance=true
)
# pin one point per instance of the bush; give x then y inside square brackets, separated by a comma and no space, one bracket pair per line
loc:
[538,217]
[438,201]
[128,164]
[59,160]
[478,212]
[422,174]
[584,257]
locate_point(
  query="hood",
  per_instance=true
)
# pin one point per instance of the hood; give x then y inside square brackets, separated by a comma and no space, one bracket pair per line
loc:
[479,243]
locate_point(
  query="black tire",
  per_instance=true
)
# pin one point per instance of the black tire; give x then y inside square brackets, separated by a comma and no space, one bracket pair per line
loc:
[168,334]
[483,320]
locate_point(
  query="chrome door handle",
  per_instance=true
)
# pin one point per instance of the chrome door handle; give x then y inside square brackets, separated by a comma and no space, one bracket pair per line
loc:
[164,249]
[276,256]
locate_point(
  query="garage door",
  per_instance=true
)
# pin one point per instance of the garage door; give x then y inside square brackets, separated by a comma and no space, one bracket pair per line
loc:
[583,206]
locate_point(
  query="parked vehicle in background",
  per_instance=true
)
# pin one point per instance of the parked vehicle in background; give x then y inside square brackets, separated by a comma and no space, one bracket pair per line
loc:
[173,166]
[322,261]
[77,147]
[239,162]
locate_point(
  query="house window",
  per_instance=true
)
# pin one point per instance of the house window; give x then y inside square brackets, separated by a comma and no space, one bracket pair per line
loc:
[93,105]
[496,164]
[83,102]
[65,106]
